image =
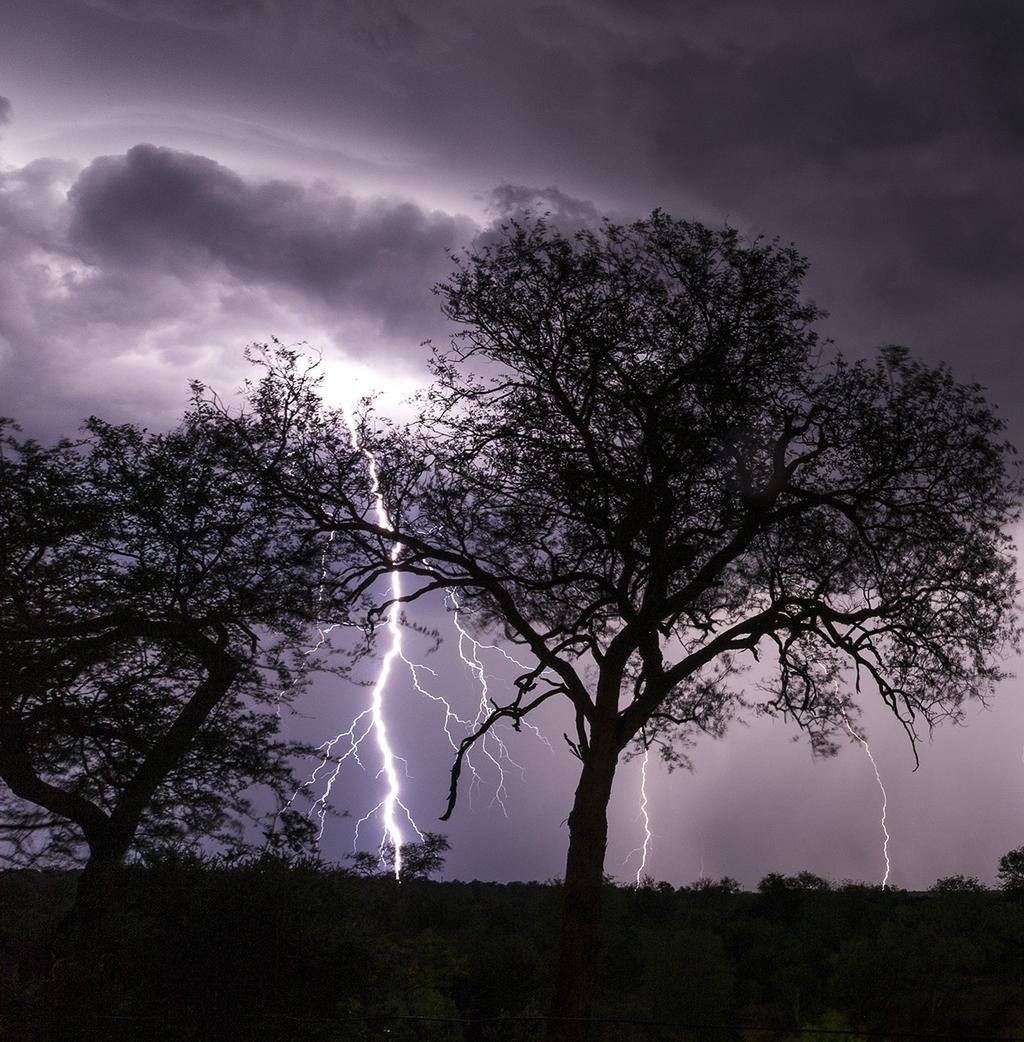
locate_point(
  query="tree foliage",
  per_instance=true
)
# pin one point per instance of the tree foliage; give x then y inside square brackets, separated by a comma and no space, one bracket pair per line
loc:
[1011,871]
[638,462]
[155,615]
[420,860]
[956,884]
[661,471]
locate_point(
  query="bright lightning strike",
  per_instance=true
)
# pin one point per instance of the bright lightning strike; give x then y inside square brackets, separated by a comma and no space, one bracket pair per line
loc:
[885,803]
[646,849]
[372,718]
[392,798]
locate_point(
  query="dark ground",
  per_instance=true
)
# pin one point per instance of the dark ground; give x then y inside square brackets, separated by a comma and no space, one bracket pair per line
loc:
[270,951]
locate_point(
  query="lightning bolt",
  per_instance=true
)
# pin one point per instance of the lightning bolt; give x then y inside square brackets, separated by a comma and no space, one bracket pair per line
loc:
[885,802]
[372,719]
[347,744]
[645,850]
[474,663]
[471,659]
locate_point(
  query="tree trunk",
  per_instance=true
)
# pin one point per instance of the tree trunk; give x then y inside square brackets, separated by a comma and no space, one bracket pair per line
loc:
[578,955]
[93,893]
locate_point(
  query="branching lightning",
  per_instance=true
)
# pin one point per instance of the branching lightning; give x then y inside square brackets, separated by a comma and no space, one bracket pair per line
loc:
[392,797]
[469,649]
[372,718]
[347,744]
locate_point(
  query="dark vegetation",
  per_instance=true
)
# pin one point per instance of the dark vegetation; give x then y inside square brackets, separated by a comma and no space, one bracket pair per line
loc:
[270,949]
[152,614]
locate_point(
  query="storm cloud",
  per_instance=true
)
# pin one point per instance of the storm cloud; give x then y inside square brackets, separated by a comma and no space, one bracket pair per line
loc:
[186,260]
[165,211]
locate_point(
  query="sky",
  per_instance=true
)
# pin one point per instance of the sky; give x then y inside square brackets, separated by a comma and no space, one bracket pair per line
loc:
[179,178]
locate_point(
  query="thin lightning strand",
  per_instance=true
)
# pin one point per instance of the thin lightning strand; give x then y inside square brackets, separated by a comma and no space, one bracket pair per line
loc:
[464,634]
[449,713]
[323,628]
[646,849]
[885,802]
[475,664]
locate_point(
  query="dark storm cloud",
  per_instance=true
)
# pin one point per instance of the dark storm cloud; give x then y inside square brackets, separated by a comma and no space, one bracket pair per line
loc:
[386,27]
[884,133]
[820,106]
[123,280]
[746,92]
[159,209]
[509,200]
[977,237]
[819,81]
[200,13]
[989,36]
[6,111]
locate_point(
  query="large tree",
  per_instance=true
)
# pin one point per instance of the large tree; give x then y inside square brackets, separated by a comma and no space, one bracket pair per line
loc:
[154,617]
[638,462]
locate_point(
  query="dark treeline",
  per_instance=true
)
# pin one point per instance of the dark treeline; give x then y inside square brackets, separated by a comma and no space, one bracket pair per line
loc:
[266,949]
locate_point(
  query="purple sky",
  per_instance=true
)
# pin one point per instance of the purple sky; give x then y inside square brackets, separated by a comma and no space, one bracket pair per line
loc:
[180,177]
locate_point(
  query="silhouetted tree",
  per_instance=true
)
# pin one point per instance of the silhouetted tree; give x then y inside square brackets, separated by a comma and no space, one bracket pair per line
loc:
[151,610]
[636,462]
[776,883]
[419,860]
[1011,871]
[956,884]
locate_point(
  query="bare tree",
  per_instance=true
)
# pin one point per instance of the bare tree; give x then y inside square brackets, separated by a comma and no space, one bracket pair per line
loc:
[637,463]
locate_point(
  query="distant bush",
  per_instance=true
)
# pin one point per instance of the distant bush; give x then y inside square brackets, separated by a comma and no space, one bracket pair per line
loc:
[957,884]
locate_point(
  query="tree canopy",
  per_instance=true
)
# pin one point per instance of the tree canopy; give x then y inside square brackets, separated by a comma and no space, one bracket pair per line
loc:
[155,621]
[638,461]
[659,469]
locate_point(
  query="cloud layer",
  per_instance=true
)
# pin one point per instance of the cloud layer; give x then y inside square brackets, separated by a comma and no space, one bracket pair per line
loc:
[124,279]
[887,140]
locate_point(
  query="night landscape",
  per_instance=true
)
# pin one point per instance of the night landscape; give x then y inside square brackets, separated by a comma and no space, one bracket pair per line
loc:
[509,520]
